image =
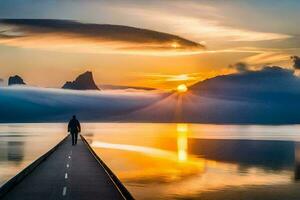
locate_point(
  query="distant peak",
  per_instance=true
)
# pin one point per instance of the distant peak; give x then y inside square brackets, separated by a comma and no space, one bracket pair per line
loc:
[86,73]
[84,81]
[16,80]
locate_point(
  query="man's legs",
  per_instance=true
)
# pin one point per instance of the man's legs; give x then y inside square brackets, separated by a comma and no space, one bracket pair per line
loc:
[73,138]
[76,136]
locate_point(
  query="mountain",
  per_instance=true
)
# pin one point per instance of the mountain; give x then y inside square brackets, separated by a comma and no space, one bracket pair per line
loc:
[270,83]
[16,80]
[84,81]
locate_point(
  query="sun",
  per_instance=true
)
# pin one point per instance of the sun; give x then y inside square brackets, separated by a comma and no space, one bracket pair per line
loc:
[175,45]
[182,88]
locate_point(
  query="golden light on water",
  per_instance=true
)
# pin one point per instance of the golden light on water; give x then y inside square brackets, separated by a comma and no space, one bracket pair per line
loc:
[182,142]
[164,160]
[182,88]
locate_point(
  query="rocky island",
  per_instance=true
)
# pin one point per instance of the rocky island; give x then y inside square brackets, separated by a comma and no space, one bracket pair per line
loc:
[16,80]
[84,81]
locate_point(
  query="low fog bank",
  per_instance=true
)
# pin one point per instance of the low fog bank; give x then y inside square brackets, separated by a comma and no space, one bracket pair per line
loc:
[267,96]
[29,104]
[270,95]
[201,109]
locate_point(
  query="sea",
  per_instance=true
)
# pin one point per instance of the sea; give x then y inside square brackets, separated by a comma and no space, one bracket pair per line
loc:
[175,160]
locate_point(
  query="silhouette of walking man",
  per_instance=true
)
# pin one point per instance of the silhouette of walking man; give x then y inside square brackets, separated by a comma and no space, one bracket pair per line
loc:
[74,128]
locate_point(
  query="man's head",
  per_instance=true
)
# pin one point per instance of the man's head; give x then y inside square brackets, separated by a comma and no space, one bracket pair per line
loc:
[74,116]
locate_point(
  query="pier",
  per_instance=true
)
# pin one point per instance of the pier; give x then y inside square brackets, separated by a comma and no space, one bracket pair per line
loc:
[66,172]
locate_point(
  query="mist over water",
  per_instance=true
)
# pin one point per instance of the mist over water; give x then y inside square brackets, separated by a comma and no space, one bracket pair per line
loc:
[232,105]
[29,104]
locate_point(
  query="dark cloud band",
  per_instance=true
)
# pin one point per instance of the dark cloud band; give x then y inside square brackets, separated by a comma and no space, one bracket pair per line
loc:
[95,32]
[296,61]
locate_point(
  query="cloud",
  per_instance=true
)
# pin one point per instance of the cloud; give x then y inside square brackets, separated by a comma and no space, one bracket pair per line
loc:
[269,83]
[25,104]
[173,77]
[296,60]
[267,96]
[75,36]
[240,67]
[209,26]
[267,58]
[171,81]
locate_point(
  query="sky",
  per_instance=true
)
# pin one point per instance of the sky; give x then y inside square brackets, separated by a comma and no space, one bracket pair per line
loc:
[159,43]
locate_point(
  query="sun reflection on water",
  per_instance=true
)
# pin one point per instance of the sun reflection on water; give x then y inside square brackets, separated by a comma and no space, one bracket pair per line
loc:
[170,160]
[182,142]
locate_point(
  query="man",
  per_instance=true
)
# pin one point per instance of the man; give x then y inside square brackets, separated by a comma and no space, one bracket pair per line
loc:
[74,128]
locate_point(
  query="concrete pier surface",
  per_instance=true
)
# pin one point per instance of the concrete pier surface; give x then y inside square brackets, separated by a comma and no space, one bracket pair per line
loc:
[70,172]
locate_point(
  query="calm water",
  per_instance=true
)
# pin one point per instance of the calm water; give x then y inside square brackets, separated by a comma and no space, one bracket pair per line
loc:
[194,161]
[175,161]
[20,144]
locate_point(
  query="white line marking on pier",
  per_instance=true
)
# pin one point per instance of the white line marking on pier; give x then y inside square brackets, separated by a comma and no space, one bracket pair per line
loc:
[68,165]
[66,175]
[64,191]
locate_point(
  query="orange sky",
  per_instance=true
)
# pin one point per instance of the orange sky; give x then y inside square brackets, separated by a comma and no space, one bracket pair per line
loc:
[47,55]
